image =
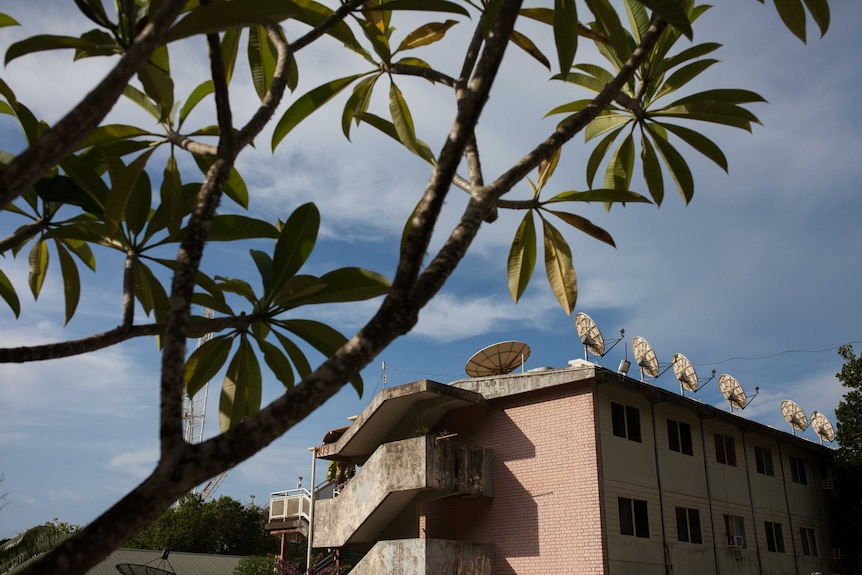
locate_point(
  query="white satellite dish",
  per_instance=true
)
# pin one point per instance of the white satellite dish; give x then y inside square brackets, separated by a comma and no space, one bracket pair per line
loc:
[498,359]
[822,427]
[733,392]
[590,335]
[794,415]
[684,372]
[645,357]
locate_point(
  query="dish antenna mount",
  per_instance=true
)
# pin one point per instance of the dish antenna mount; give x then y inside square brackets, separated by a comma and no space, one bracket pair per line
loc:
[822,427]
[645,357]
[686,375]
[733,392]
[498,359]
[591,336]
[794,415]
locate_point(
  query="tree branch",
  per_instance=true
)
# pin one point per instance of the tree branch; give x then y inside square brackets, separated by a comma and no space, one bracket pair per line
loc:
[129,288]
[190,145]
[61,140]
[24,233]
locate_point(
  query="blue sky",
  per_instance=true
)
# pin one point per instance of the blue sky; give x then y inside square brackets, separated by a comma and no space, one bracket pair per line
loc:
[759,277]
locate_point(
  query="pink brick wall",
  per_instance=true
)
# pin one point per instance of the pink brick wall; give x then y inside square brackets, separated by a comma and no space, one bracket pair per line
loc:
[545,516]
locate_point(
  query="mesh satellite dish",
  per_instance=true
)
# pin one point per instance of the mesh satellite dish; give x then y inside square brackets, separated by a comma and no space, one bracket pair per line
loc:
[498,359]
[733,392]
[822,427]
[162,567]
[645,357]
[591,336]
[794,415]
[686,375]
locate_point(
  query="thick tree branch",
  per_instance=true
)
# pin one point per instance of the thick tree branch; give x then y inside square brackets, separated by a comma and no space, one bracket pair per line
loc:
[129,288]
[118,335]
[62,139]
[24,233]
[190,145]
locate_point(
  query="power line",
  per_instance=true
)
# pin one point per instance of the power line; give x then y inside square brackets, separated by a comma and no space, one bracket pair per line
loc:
[776,354]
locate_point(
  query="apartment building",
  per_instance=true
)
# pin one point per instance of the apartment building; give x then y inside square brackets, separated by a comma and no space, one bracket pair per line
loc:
[576,470]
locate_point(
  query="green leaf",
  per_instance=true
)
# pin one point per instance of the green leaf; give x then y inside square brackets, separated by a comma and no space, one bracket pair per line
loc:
[38,266]
[674,161]
[154,290]
[222,16]
[234,188]
[242,387]
[346,285]
[723,96]
[296,288]
[122,188]
[203,90]
[6,20]
[684,75]
[621,165]
[672,11]
[820,12]
[205,362]
[44,42]
[420,5]
[357,103]
[83,252]
[570,108]
[277,362]
[212,302]
[598,155]
[530,48]
[639,20]
[599,195]
[323,338]
[7,292]
[652,171]
[522,257]
[543,15]
[71,280]
[714,112]
[308,103]
[565,33]
[143,101]
[402,119]
[230,227]
[264,268]
[662,66]
[700,143]
[558,266]
[546,169]
[425,35]
[605,122]
[609,24]
[111,133]
[238,287]
[261,59]
[138,206]
[296,356]
[385,126]
[586,226]
[295,243]
[793,15]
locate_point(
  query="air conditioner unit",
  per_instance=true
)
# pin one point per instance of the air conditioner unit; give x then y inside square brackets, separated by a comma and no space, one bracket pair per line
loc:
[837,554]
[736,541]
[827,484]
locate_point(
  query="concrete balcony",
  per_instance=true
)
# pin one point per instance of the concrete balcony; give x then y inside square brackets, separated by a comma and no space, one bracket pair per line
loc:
[426,557]
[395,476]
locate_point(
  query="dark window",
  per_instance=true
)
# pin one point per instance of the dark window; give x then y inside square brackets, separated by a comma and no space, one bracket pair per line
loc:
[797,471]
[774,537]
[679,437]
[734,531]
[626,421]
[688,525]
[763,460]
[725,449]
[809,541]
[633,517]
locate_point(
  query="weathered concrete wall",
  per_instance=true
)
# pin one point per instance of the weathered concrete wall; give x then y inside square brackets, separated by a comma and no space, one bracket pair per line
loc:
[389,481]
[426,557]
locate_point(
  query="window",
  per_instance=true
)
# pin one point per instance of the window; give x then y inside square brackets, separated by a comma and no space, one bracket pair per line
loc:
[797,471]
[626,420]
[633,517]
[679,437]
[809,541]
[688,525]
[734,531]
[774,537]
[763,460]
[725,450]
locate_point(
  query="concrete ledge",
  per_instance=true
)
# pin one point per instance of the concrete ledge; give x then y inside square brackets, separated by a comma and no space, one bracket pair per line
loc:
[513,384]
[426,557]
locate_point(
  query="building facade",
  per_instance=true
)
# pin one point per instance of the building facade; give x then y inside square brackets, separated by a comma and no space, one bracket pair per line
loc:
[578,470]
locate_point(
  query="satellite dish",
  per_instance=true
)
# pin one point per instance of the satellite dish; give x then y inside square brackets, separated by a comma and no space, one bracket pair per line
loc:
[645,357]
[822,427]
[684,372]
[733,392]
[135,569]
[498,359]
[590,335]
[794,415]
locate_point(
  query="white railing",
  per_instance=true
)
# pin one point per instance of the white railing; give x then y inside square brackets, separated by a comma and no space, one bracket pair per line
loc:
[296,502]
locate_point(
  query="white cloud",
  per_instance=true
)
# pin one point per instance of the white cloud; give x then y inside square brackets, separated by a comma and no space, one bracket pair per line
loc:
[137,463]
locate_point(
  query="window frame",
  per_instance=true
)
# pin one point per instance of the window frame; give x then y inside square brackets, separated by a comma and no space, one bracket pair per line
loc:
[763,461]
[688,525]
[725,449]
[797,470]
[679,437]
[808,536]
[626,421]
[774,537]
[634,517]
[734,526]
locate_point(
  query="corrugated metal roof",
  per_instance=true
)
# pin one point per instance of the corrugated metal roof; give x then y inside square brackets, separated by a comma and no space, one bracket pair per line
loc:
[182,563]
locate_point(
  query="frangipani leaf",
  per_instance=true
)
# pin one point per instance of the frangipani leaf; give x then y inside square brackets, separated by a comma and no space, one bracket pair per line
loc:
[323,338]
[586,226]
[7,292]
[558,266]
[530,48]
[230,227]
[425,35]
[346,285]
[522,257]
[242,387]
[565,33]
[205,362]
[71,280]
[38,266]
[277,362]
[295,243]
[599,195]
